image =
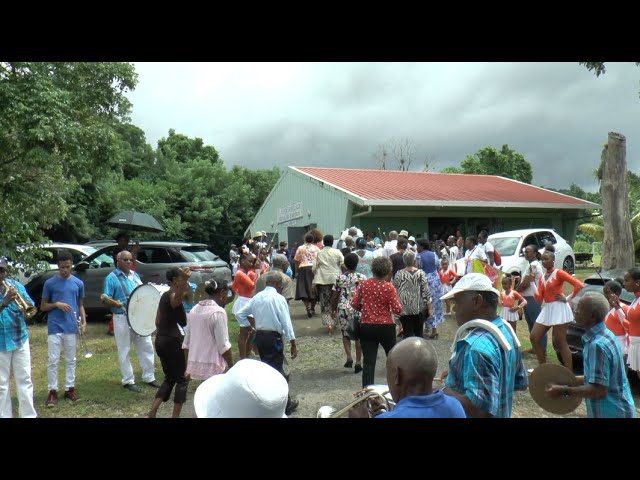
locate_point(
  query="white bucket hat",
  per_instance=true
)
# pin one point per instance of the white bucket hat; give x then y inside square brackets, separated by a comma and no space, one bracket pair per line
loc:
[471,281]
[403,233]
[250,389]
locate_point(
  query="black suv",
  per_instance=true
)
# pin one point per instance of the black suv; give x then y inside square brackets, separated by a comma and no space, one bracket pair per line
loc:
[153,260]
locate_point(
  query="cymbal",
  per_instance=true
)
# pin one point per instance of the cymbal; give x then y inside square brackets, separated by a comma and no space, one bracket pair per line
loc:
[547,374]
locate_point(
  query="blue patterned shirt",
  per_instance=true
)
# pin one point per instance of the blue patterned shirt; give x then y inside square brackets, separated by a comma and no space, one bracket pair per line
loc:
[115,285]
[13,327]
[485,373]
[603,365]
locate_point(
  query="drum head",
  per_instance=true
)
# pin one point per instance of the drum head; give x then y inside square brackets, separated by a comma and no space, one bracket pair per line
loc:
[143,307]
[549,373]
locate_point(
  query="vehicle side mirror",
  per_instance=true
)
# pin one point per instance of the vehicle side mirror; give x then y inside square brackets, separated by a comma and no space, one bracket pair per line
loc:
[82,266]
[522,252]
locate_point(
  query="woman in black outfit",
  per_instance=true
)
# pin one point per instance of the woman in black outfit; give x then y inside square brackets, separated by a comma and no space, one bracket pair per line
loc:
[170,321]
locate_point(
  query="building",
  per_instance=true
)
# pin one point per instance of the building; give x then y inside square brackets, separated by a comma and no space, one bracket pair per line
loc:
[423,203]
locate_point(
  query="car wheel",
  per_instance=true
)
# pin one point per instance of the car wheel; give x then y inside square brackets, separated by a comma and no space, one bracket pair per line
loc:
[568,265]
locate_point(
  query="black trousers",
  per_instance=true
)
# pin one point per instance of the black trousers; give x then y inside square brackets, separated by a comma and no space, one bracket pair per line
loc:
[271,351]
[169,349]
[372,335]
[412,325]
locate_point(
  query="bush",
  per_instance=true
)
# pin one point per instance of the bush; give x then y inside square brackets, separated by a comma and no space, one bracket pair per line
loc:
[581,247]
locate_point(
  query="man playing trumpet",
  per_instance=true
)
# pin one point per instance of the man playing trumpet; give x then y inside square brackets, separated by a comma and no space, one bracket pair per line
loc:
[63,298]
[15,352]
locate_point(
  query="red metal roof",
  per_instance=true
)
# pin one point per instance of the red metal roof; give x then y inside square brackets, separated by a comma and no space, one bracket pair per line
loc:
[380,186]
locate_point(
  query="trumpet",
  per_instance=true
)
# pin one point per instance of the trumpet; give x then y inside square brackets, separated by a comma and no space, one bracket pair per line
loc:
[25,307]
[87,353]
[380,392]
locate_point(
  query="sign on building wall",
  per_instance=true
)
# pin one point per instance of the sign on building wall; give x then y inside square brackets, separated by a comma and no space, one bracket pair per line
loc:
[290,212]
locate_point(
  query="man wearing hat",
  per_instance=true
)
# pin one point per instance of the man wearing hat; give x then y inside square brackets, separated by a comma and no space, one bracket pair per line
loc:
[412,244]
[15,351]
[249,389]
[604,385]
[486,366]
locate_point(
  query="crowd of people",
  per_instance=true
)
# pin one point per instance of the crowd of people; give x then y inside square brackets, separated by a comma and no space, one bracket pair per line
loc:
[369,292]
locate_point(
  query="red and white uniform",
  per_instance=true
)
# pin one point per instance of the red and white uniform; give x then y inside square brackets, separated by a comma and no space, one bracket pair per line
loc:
[555,312]
[508,301]
[633,351]
[445,278]
[617,322]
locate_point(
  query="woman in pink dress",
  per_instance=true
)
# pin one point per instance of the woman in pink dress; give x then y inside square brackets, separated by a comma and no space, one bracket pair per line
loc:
[207,339]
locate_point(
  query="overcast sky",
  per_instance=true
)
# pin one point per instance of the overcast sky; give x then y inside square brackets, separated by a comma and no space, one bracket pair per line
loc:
[336,114]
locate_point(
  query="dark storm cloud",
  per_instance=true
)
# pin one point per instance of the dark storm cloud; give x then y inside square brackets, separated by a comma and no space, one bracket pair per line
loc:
[556,114]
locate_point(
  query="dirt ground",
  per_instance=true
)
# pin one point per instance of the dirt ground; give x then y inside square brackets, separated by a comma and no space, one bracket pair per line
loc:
[318,377]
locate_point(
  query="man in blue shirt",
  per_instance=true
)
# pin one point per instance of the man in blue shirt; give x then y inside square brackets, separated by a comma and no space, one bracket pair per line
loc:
[117,289]
[63,298]
[15,351]
[605,384]
[272,322]
[486,366]
[411,367]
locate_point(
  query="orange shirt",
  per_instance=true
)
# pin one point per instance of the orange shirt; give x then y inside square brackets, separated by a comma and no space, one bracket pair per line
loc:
[633,315]
[616,320]
[244,283]
[510,299]
[547,289]
[445,277]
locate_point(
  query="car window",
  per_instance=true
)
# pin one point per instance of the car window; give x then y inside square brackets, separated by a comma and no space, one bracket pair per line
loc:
[159,255]
[76,256]
[530,240]
[201,254]
[546,237]
[104,260]
[506,245]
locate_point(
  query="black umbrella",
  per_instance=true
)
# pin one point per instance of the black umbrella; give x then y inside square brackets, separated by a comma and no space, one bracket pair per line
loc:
[130,220]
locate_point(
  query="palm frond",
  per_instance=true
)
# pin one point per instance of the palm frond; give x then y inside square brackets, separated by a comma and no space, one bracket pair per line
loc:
[593,229]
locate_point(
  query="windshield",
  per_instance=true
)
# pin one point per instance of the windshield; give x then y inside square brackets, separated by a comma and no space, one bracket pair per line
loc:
[200,254]
[505,245]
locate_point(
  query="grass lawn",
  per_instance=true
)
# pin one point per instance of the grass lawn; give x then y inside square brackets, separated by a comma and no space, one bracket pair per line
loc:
[97,378]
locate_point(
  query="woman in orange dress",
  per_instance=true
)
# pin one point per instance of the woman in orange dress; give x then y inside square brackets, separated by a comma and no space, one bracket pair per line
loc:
[556,312]
[632,284]
[508,298]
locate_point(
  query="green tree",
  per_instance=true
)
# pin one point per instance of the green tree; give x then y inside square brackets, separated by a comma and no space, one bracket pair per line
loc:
[491,161]
[56,137]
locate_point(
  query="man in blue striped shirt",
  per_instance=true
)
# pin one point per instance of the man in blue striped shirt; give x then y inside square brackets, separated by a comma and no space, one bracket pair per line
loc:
[272,322]
[605,384]
[14,348]
[486,366]
[117,288]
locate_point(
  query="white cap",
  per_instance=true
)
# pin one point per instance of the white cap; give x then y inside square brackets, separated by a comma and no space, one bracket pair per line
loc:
[250,389]
[411,239]
[471,282]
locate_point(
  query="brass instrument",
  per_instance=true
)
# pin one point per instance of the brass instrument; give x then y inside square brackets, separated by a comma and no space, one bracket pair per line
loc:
[380,392]
[87,353]
[25,307]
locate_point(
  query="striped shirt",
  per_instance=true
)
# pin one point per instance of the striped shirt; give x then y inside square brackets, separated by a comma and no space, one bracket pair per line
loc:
[603,365]
[115,285]
[485,373]
[413,291]
[13,327]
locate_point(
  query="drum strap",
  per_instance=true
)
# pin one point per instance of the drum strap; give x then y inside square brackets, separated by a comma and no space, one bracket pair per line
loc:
[125,287]
[464,330]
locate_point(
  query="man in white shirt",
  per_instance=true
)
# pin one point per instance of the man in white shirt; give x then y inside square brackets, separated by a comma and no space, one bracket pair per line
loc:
[272,322]
[390,247]
[488,248]
[473,251]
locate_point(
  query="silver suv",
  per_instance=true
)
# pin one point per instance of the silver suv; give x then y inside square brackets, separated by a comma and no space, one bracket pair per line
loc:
[153,261]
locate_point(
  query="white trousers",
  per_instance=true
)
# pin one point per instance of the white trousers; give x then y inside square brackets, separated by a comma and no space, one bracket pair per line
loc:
[19,361]
[125,337]
[56,342]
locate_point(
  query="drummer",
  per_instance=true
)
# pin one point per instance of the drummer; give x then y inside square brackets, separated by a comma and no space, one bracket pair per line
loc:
[604,385]
[117,289]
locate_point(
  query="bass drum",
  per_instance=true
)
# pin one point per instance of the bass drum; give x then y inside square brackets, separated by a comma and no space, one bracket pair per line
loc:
[143,307]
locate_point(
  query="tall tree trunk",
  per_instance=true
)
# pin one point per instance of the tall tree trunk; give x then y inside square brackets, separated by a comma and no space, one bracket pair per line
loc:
[617,248]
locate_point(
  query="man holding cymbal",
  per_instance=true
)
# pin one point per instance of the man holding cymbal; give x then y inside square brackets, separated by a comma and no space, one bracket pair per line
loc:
[604,384]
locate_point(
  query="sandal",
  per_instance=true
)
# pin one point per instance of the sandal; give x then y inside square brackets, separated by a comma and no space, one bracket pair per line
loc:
[349,364]
[358,368]
[309,314]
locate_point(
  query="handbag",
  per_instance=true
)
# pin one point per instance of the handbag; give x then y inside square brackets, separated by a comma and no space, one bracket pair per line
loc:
[353,327]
